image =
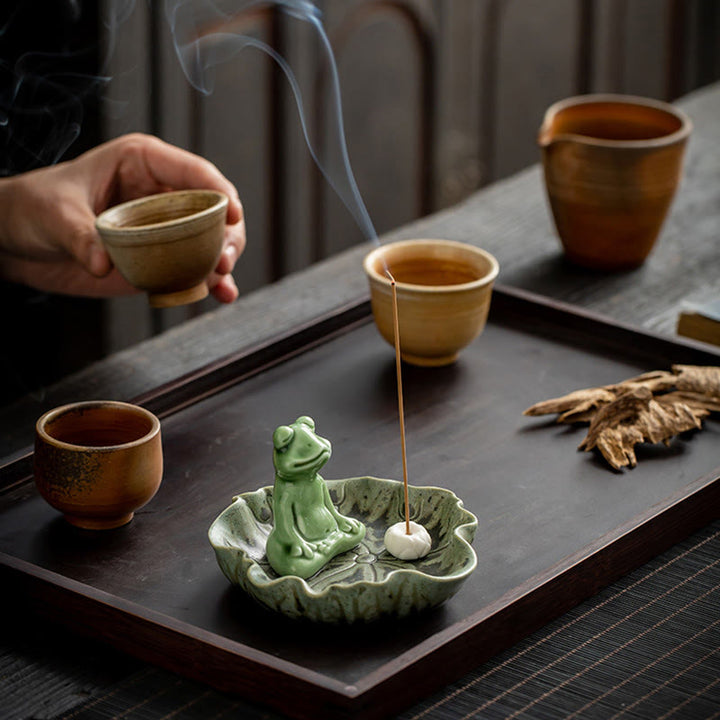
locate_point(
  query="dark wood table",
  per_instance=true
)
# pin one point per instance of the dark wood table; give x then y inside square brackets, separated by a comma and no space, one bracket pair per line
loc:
[646,646]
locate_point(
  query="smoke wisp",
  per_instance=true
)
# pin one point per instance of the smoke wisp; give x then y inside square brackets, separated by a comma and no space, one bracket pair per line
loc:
[199,53]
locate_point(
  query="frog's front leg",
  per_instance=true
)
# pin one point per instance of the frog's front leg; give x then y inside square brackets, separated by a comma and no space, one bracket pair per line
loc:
[286,530]
[345,524]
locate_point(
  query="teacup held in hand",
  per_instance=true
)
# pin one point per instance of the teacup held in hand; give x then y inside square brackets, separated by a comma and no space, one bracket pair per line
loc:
[167,244]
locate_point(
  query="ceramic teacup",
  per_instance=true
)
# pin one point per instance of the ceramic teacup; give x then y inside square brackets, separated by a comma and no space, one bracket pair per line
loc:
[612,166]
[443,292]
[98,461]
[167,244]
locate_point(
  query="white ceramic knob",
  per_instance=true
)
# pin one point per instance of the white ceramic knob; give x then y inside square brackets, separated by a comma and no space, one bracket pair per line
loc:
[407,547]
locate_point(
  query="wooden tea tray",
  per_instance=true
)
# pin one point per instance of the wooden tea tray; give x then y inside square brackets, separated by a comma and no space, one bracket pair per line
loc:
[555,524]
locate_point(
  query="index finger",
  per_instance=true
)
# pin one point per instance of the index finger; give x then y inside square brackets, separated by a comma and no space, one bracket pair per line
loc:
[179,169]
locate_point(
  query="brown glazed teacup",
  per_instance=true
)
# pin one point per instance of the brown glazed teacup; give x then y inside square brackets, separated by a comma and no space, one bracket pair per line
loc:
[612,165]
[443,290]
[98,461]
[166,244]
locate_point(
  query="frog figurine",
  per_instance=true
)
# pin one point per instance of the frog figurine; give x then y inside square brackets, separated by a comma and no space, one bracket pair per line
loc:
[308,529]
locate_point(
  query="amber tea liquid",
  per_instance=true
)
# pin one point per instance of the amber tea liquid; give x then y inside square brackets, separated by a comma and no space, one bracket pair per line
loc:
[432,272]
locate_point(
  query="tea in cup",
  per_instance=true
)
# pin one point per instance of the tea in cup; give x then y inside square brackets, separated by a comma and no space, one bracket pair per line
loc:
[97,462]
[443,295]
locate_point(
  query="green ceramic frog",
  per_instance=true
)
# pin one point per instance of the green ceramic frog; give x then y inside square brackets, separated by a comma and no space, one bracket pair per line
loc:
[308,529]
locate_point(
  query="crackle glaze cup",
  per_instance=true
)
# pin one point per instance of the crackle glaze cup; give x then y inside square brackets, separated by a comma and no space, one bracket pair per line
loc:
[443,288]
[612,165]
[97,462]
[167,244]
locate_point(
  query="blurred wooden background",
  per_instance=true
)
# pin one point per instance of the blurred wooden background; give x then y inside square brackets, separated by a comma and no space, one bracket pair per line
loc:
[440,97]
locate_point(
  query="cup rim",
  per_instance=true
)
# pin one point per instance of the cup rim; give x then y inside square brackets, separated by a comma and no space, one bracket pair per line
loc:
[489,277]
[50,415]
[104,222]
[678,135]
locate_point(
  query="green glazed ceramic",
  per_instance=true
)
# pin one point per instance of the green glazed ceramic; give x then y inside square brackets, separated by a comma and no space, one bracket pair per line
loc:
[365,582]
[308,529]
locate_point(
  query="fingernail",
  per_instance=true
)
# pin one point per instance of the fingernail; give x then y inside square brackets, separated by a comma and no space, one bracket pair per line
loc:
[231,254]
[234,211]
[226,290]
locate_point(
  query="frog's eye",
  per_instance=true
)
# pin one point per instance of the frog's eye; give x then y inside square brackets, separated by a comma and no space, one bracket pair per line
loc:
[282,437]
[306,420]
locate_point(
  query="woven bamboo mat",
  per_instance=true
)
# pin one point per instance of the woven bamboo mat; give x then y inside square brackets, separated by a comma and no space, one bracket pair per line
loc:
[646,647]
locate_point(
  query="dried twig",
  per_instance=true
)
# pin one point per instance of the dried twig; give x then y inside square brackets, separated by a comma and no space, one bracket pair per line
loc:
[702,379]
[653,407]
[632,419]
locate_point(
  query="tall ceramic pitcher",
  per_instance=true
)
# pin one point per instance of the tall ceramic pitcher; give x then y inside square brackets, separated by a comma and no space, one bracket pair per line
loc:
[612,165]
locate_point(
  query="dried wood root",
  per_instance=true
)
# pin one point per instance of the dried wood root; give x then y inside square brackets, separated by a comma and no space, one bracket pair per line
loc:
[581,405]
[701,405]
[653,407]
[656,381]
[702,379]
[633,418]
[578,406]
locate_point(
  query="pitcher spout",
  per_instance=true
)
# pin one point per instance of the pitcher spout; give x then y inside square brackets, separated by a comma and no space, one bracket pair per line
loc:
[547,133]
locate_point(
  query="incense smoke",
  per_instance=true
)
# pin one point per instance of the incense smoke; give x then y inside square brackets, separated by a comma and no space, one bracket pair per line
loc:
[45,89]
[199,54]
[44,99]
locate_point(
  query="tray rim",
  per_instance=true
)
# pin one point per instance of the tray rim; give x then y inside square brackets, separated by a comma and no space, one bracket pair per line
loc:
[385,688]
[642,537]
[235,367]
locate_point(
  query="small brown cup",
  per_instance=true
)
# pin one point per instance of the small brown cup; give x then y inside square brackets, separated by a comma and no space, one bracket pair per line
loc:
[612,166]
[98,461]
[443,290]
[167,244]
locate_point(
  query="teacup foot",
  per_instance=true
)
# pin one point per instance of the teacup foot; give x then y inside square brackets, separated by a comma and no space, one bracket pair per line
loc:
[421,361]
[182,297]
[107,523]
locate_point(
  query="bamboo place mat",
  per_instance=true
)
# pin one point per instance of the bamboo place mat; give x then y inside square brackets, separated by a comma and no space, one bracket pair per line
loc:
[648,646]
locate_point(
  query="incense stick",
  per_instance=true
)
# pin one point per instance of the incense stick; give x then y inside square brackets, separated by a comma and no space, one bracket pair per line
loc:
[401,411]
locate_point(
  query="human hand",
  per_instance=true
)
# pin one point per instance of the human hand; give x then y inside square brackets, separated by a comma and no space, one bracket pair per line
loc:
[48,238]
